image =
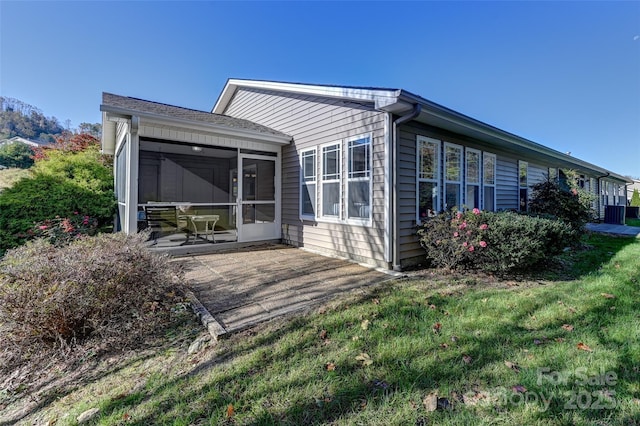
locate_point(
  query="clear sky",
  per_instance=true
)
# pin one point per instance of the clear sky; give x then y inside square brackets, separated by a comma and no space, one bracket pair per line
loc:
[563,74]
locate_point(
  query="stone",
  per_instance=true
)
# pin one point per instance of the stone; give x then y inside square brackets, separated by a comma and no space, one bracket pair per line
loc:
[87,415]
[198,344]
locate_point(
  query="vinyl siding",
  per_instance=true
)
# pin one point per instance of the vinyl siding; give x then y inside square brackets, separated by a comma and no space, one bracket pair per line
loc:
[506,183]
[313,121]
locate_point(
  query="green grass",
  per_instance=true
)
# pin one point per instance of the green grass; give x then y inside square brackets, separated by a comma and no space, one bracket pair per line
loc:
[10,176]
[445,334]
[632,222]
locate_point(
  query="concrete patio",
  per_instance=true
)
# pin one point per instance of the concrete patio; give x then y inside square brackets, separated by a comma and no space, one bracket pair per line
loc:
[245,286]
[611,229]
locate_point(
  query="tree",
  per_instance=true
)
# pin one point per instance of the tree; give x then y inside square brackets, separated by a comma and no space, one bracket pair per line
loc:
[16,154]
[67,142]
[635,199]
[93,129]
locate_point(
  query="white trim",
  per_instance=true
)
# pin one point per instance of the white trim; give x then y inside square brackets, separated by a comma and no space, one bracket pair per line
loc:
[322,181]
[358,220]
[489,185]
[438,172]
[382,96]
[302,181]
[477,184]
[454,182]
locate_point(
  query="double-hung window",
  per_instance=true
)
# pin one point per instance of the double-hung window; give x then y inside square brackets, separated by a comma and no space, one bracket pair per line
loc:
[331,186]
[308,183]
[472,161]
[523,179]
[428,157]
[452,175]
[359,178]
[488,181]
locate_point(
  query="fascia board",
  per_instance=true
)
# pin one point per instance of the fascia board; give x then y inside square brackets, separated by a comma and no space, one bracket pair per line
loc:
[197,125]
[461,120]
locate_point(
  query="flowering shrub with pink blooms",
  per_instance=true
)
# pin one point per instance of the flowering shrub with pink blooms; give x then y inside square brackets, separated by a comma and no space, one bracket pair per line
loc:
[61,231]
[492,242]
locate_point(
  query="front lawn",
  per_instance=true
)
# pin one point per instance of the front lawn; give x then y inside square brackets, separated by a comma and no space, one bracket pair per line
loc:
[430,349]
[632,222]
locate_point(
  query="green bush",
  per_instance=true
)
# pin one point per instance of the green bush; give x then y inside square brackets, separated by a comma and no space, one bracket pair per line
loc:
[635,199]
[109,287]
[61,184]
[16,154]
[570,204]
[491,242]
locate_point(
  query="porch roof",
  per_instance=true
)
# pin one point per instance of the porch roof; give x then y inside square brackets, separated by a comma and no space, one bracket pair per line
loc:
[117,106]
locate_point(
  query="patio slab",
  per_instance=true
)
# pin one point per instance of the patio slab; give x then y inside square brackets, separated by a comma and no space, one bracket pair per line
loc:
[243,287]
[612,229]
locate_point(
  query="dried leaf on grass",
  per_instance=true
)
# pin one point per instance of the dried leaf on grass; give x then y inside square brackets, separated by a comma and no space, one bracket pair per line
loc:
[365,359]
[430,402]
[567,327]
[584,347]
[518,389]
[467,359]
[364,324]
[608,295]
[230,411]
[512,366]
[329,366]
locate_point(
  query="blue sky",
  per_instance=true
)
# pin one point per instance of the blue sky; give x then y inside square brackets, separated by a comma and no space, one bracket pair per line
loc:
[563,74]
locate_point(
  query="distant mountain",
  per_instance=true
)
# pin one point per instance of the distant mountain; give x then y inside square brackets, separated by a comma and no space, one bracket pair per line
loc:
[18,118]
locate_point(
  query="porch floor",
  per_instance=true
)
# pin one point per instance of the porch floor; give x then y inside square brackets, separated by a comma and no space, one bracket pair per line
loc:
[245,286]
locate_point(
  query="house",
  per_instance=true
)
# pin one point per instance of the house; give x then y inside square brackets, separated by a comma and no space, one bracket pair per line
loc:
[19,139]
[348,171]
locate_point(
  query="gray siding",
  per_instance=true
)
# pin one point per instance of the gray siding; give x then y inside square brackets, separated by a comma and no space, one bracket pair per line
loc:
[506,183]
[537,174]
[313,121]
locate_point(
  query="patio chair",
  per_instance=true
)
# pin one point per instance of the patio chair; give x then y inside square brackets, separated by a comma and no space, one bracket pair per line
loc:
[161,220]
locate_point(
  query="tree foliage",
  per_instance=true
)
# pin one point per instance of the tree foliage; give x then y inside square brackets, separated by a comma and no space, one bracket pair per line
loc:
[65,180]
[635,199]
[16,154]
[18,118]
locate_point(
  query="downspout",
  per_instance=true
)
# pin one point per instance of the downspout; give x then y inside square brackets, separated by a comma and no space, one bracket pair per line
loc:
[395,238]
[600,206]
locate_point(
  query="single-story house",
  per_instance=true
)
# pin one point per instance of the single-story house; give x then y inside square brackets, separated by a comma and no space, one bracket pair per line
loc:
[348,171]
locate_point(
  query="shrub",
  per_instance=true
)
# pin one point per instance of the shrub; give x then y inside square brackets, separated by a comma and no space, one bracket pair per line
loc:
[62,231]
[16,154]
[570,204]
[61,184]
[635,199]
[492,242]
[108,286]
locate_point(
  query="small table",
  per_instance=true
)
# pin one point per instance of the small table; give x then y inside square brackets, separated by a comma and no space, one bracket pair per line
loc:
[209,221]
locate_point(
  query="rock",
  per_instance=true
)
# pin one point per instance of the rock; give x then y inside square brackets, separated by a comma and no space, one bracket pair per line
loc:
[87,415]
[198,344]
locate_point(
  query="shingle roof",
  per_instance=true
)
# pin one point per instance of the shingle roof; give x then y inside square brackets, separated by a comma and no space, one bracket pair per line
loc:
[140,105]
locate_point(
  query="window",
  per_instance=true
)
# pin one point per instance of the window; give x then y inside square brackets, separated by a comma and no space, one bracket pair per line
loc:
[553,174]
[428,158]
[452,175]
[359,179]
[331,174]
[308,183]
[523,170]
[472,162]
[489,182]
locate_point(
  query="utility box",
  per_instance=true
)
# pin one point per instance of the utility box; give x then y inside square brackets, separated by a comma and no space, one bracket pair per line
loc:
[614,215]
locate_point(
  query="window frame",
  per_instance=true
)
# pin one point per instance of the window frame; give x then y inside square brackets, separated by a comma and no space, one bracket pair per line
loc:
[446,180]
[437,174]
[522,187]
[489,185]
[303,183]
[320,214]
[480,176]
[365,221]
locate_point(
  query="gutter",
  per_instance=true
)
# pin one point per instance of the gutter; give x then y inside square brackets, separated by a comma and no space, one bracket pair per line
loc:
[395,238]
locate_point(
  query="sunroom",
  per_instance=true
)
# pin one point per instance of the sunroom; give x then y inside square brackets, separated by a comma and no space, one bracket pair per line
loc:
[192,177]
